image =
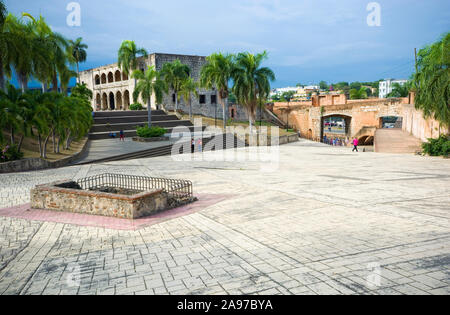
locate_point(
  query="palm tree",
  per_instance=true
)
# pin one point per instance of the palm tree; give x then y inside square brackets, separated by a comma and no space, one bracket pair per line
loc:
[78,122]
[149,83]
[55,46]
[22,57]
[358,94]
[217,73]
[64,76]
[399,90]
[174,74]
[432,80]
[82,91]
[188,88]
[251,82]
[128,57]
[7,48]
[11,102]
[78,52]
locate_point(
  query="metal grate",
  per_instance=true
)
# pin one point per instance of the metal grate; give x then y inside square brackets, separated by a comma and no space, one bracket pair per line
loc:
[175,188]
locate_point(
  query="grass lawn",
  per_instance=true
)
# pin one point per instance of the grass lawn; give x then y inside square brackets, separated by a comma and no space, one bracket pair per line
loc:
[30,148]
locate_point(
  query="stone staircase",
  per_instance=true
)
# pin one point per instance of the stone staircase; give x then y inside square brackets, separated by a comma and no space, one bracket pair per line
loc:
[209,144]
[107,122]
[396,141]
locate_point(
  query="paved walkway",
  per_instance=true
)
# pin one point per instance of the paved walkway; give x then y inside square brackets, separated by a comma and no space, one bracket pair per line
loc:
[327,222]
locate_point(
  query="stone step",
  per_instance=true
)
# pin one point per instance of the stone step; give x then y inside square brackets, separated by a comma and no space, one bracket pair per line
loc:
[396,141]
[227,143]
[132,119]
[127,113]
[132,126]
[130,133]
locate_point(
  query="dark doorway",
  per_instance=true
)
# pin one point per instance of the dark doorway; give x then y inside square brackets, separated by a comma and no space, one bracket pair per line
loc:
[391,122]
[112,104]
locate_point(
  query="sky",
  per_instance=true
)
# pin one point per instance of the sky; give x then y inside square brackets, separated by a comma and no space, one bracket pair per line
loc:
[307,40]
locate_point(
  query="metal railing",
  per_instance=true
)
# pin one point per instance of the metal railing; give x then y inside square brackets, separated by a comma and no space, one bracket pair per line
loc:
[175,188]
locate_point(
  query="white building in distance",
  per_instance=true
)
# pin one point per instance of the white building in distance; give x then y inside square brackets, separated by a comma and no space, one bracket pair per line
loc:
[280,91]
[387,86]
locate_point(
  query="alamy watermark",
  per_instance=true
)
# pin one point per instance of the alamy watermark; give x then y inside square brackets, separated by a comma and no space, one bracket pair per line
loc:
[374,17]
[73,278]
[74,17]
[374,277]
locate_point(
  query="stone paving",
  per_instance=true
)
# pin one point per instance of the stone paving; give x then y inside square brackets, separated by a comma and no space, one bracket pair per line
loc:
[326,222]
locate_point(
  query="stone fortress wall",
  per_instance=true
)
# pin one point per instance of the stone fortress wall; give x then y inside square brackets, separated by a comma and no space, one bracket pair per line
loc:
[362,117]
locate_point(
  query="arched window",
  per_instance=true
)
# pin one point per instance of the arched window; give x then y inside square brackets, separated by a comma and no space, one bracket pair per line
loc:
[112,103]
[126,100]
[103,78]
[97,79]
[119,103]
[98,102]
[104,102]
[124,77]
[110,77]
[117,76]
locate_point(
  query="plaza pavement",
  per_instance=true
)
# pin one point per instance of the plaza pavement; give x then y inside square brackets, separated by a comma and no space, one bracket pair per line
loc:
[326,222]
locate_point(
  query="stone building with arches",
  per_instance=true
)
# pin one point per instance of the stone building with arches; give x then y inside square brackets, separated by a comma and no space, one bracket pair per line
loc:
[361,119]
[113,89]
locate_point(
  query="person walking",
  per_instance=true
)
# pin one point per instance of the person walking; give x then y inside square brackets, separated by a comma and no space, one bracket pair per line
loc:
[122,136]
[355,145]
[192,145]
[200,145]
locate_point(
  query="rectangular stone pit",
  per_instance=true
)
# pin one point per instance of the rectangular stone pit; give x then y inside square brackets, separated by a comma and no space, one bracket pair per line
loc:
[113,195]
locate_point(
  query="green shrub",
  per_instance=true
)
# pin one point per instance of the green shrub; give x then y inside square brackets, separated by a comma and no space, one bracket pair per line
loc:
[437,147]
[136,106]
[153,132]
[10,153]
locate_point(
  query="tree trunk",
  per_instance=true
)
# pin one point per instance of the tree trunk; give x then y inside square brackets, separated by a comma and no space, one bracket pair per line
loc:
[43,87]
[78,73]
[44,149]
[2,77]
[224,114]
[149,110]
[55,82]
[68,140]
[190,107]
[57,145]
[12,136]
[54,141]
[19,146]
[176,101]
[40,144]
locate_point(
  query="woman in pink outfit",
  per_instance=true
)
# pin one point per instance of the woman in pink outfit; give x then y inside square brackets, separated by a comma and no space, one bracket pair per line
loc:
[355,145]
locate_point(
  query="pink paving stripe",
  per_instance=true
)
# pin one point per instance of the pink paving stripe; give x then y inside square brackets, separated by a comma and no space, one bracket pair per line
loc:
[26,213]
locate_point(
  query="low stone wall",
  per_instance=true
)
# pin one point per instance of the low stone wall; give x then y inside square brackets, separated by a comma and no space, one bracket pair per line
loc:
[36,164]
[155,139]
[288,139]
[51,197]
[268,142]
